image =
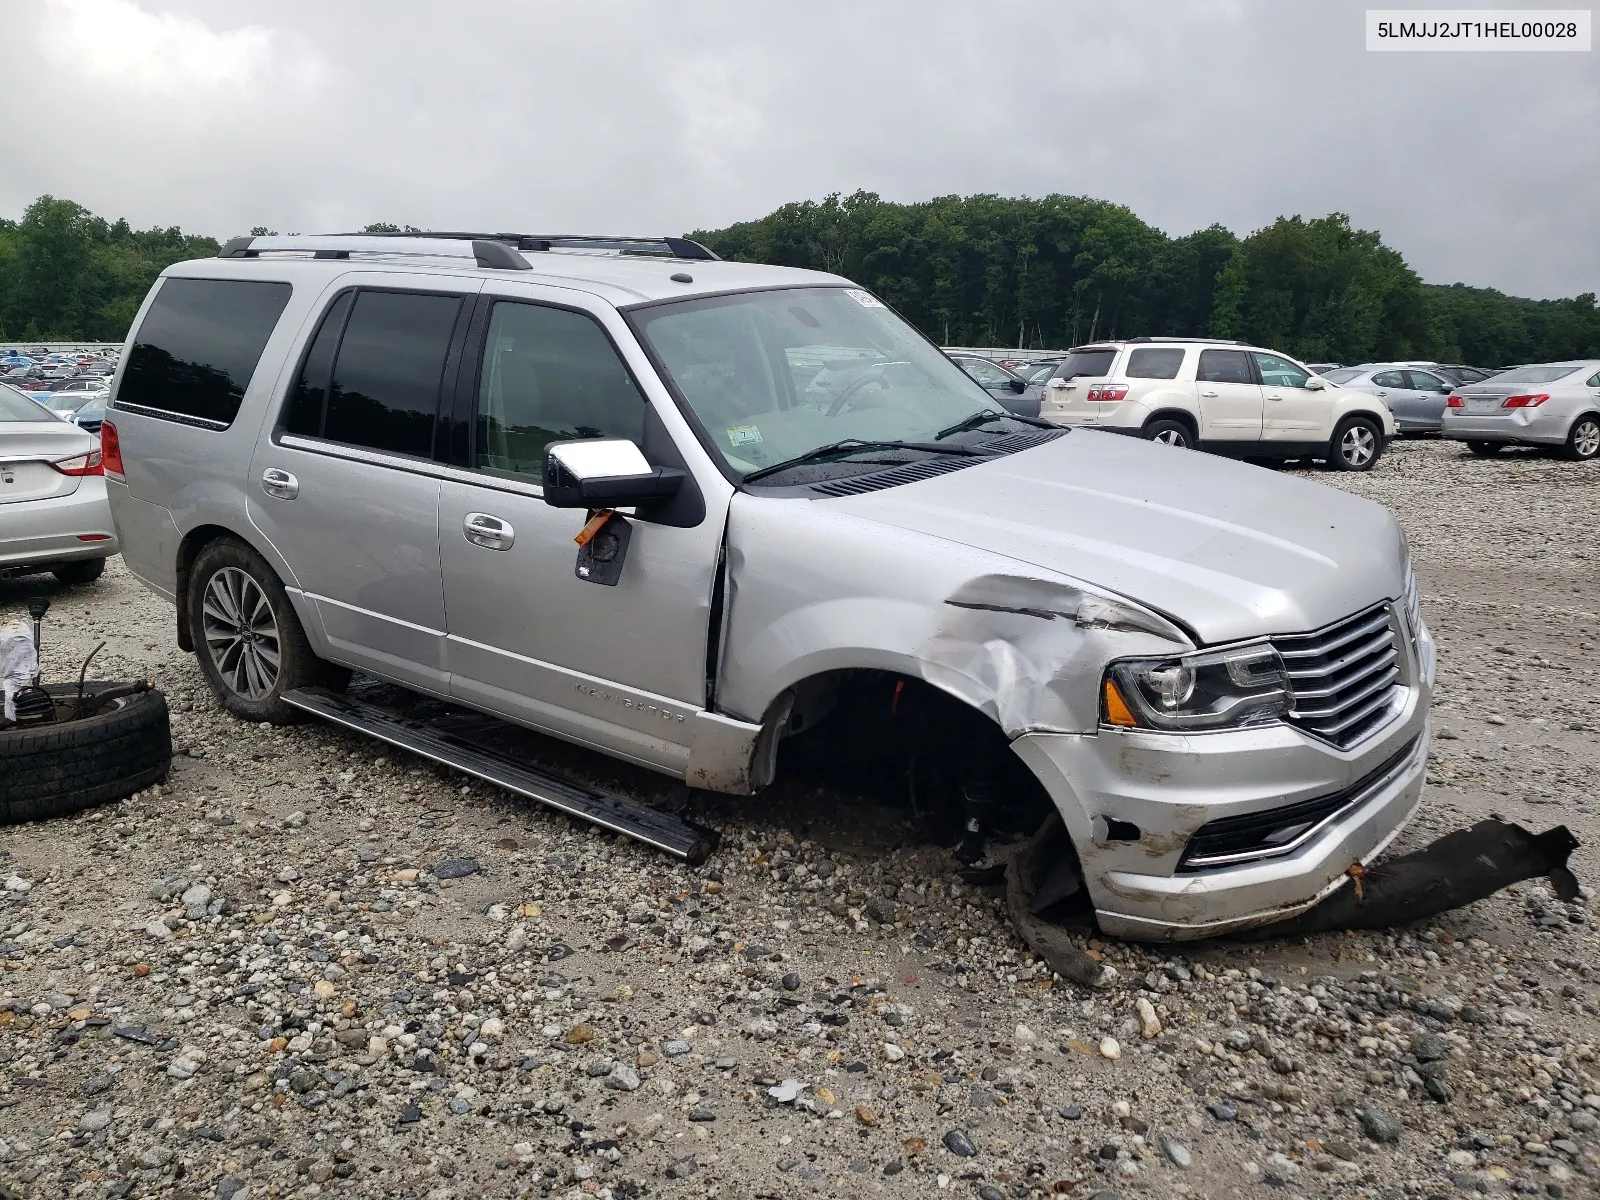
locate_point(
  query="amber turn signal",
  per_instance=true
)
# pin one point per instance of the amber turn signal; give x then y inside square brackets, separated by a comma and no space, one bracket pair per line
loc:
[1116,708]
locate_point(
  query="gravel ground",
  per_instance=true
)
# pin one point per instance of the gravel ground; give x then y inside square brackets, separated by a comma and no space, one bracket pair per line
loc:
[307,967]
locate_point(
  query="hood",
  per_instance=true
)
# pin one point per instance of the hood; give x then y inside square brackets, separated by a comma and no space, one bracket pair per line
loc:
[1224,548]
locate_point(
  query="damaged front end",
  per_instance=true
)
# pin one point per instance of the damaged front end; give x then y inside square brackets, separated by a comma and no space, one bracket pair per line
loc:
[1047,903]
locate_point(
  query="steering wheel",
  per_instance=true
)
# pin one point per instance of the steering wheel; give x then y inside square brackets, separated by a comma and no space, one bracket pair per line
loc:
[850,390]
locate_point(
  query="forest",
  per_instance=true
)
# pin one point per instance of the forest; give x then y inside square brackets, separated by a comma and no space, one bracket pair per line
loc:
[968,270]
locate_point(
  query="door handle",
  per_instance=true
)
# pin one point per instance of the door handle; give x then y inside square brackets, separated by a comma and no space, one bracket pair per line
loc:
[491,533]
[279,484]
[1274,397]
[1380,395]
[1209,395]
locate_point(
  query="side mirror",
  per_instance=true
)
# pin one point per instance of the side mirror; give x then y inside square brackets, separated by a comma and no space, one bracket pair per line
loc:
[1018,385]
[1316,383]
[604,473]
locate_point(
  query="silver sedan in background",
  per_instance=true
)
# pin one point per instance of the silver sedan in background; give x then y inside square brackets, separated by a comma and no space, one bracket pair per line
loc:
[53,511]
[1549,404]
[1416,397]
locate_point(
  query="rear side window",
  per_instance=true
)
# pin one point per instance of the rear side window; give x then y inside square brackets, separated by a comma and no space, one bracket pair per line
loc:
[1152,362]
[199,345]
[1389,379]
[1224,366]
[1096,363]
[549,375]
[380,388]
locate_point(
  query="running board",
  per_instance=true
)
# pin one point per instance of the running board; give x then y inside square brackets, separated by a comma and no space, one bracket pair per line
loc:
[435,740]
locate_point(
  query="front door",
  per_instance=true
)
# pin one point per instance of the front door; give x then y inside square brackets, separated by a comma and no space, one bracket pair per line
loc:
[622,667]
[1293,412]
[346,490]
[1230,397]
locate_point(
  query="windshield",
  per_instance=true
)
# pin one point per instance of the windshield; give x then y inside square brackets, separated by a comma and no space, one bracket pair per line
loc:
[1543,373]
[773,375]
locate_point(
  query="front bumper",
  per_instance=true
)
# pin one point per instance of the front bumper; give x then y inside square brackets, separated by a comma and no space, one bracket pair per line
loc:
[43,533]
[1170,786]
[1532,425]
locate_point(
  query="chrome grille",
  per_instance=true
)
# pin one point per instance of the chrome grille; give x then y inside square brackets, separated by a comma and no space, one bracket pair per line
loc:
[1343,676]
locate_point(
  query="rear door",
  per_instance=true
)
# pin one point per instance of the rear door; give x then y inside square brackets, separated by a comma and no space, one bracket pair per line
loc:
[622,666]
[1293,412]
[346,488]
[1230,398]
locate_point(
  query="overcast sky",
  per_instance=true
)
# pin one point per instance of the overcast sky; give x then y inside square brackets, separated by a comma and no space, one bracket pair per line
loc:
[639,116]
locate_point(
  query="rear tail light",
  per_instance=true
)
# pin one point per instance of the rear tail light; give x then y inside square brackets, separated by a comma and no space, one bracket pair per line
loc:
[81,464]
[1107,391]
[1524,401]
[111,452]
[1455,402]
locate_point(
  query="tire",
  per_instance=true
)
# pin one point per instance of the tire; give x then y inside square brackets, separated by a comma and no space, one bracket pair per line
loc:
[83,571]
[52,770]
[1485,449]
[1583,440]
[1356,444]
[249,674]
[1167,432]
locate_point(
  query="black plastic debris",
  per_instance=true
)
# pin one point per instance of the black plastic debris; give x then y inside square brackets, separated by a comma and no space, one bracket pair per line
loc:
[1454,871]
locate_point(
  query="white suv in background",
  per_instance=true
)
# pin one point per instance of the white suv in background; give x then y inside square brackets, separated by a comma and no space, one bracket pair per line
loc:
[1216,395]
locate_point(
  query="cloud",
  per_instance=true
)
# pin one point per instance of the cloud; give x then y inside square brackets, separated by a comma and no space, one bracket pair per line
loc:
[639,117]
[116,42]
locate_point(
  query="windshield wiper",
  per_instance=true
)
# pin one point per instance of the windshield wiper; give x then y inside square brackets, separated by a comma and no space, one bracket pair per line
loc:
[984,415]
[851,444]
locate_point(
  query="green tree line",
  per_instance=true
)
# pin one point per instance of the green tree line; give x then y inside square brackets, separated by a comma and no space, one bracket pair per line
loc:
[968,270]
[1062,270]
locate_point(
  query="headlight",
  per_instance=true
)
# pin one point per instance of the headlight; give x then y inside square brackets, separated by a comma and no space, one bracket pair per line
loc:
[1413,603]
[1212,689]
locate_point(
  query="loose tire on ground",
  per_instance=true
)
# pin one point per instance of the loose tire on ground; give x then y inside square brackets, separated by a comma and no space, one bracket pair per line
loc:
[83,571]
[227,574]
[1356,445]
[1583,440]
[1167,432]
[60,768]
[1485,449]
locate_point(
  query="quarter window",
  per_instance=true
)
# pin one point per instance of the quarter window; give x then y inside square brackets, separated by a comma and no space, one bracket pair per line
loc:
[549,375]
[1594,380]
[198,346]
[384,390]
[1224,366]
[1279,372]
[1152,362]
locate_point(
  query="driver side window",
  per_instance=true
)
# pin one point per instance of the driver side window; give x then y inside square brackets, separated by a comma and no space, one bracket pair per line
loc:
[1279,372]
[549,375]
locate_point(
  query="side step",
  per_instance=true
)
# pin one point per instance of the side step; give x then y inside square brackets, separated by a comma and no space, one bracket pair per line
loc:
[435,739]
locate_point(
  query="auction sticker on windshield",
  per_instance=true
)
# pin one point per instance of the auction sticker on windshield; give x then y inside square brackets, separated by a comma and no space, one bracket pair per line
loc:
[743,435]
[865,299]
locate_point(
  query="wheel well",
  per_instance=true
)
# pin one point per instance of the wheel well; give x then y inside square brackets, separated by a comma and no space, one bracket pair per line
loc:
[196,540]
[1175,414]
[880,731]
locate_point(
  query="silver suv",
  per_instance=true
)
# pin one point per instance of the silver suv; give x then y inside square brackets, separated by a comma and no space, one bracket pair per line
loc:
[795,517]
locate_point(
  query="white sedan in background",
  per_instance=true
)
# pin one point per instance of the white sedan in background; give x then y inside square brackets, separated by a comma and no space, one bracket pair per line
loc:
[53,511]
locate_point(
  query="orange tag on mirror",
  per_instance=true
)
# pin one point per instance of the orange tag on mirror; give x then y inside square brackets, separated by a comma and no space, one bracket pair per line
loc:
[594,525]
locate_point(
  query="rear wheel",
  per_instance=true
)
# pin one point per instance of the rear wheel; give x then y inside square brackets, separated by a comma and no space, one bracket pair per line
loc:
[249,642]
[83,571]
[1169,433]
[1355,446]
[1583,442]
[1485,449]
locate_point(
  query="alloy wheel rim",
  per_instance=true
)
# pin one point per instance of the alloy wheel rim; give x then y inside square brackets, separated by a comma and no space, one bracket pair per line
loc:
[1170,437]
[241,633]
[1357,445]
[1586,439]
